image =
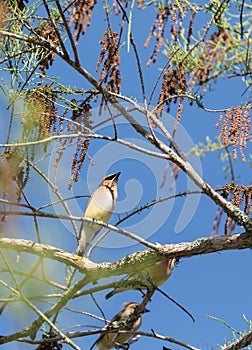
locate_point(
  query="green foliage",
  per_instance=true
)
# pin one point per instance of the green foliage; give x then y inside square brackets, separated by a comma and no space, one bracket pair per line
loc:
[201,148]
[236,335]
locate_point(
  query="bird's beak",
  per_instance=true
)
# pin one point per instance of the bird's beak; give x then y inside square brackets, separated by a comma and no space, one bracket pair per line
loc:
[146,310]
[116,176]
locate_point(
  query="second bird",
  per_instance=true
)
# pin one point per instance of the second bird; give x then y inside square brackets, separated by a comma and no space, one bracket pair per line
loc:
[155,274]
[130,313]
[100,207]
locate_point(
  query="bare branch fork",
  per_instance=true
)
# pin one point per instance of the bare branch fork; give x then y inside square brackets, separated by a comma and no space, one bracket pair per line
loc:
[235,213]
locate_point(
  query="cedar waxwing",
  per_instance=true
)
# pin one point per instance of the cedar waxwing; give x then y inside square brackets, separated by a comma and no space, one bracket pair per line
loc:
[130,318]
[100,207]
[155,275]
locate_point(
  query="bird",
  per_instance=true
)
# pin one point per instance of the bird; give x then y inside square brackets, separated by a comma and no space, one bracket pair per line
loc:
[100,207]
[155,274]
[130,318]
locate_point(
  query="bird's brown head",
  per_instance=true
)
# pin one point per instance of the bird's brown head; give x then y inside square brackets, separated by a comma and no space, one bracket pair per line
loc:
[131,306]
[111,181]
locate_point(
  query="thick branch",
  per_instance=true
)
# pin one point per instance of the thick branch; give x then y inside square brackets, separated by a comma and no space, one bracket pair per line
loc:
[208,245]
[128,265]
[131,262]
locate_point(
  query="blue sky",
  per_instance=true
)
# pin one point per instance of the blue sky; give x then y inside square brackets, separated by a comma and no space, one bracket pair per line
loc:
[215,284]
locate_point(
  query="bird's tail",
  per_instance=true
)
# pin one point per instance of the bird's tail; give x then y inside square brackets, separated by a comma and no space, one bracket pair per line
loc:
[114,291]
[81,249]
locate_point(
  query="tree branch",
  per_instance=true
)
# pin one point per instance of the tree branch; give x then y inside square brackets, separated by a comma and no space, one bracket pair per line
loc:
[245,341]
[137,260]
[235,213]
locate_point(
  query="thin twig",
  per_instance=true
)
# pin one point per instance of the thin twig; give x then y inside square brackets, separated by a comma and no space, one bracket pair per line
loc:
[53,187]
[76,56]
[160,75]
[23,282]
[208,26]
[34,308]
[56,29]
[176,303]
[139,66]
